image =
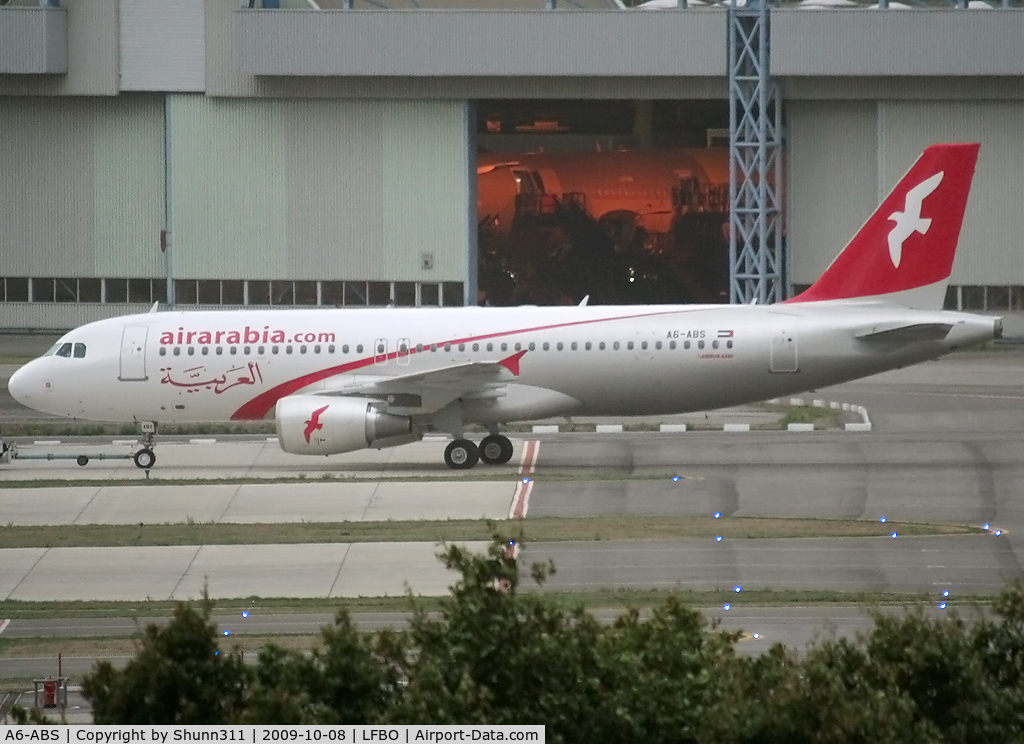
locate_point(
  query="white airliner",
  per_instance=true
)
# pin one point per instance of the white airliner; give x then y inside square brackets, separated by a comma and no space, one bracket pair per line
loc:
[343,380]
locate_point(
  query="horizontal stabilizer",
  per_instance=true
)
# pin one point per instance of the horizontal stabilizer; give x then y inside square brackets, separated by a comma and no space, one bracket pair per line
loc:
[906,333]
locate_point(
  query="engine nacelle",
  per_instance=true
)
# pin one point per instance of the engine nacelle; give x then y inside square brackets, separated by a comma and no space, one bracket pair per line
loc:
[326,425]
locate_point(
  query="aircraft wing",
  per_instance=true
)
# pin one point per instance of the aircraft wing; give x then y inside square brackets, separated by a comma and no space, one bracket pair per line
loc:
[905,333]
[433,389]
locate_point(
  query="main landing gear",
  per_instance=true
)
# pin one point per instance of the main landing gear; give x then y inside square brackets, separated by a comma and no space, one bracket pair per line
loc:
[462,454]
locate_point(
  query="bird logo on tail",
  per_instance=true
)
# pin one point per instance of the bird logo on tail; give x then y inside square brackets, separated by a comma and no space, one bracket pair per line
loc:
[909,220]
[313,424]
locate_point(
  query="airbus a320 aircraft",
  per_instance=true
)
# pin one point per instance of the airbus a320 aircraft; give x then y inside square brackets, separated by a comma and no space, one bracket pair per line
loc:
[343,380]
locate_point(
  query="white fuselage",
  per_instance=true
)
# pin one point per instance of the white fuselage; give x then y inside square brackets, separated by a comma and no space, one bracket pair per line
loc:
[235,365]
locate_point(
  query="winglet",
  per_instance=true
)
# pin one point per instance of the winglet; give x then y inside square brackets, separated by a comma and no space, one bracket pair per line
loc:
[905,250]
[512,363]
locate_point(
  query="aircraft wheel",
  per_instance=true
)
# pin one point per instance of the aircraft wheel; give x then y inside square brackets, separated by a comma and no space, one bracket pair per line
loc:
[82,460]
[461,454]
[145,459]
[496,450]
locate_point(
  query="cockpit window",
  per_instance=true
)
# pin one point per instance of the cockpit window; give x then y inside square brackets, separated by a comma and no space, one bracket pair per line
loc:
[79,351]
[52,350]
[64,350]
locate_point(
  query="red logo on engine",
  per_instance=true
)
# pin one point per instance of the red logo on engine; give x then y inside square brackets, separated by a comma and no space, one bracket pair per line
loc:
[314,422]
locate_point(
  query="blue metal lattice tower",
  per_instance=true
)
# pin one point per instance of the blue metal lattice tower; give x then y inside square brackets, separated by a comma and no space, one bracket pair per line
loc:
[756,259]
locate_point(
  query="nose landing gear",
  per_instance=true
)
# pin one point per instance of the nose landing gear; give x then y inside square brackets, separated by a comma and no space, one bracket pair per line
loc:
[145,458]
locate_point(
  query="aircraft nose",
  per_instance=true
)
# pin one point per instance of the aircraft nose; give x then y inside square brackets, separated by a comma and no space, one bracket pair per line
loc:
[20,386]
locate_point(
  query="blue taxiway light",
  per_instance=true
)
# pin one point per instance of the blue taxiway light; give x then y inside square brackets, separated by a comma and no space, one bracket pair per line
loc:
[526,480]
[998,533]
[882,519]
[984,526]
[945,593]
[718,538]
[942,606]
[738,589]
[675,478]
[718,515]
[727,606]
[227,632]
[894,534]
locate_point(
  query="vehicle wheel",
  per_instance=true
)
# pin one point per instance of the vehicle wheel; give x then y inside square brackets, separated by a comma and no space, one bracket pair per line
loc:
[461,454]
[496,450]
[145,459]
[82,460]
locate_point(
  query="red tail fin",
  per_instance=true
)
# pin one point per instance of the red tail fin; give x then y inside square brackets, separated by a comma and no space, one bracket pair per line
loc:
[907,245]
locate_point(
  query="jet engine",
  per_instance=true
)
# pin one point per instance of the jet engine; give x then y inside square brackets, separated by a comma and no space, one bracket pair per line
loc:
[326,425]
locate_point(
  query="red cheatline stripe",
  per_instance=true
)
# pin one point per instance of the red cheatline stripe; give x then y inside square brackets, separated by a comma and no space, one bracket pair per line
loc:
[521,498]
[258,408]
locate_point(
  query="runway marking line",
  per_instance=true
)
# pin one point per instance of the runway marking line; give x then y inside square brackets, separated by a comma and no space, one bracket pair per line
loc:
[3,625]
[521,497]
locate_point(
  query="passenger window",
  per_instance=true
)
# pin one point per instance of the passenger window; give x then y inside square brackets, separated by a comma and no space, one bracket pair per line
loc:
[714,344]
[419,348]
[547,346]
[629,346]
[728,344]
[533,346]
[588,346]
[191,351]
[573,346]
[671,344]
[559,347]
[359,349]
[600,346]
[287,349]
[260,351]
[64,351]
[248,350]
[686,344]
[163,351]
[519,346]
[330,349]
[273,349]
[462,347]
[447,347]
[233,350]
[700,344]
[476,347]
[504,347]
[615,346]
[177,351]
[220,351]
[302,349]
[316,349]
[433,347]
[657,345]
[643,345]
[206,350]
[79,351]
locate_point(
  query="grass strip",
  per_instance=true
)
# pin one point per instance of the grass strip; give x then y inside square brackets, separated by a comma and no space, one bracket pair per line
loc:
[541,529]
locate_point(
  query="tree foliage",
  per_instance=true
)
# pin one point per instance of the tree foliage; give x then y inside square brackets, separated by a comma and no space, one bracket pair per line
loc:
[495,654]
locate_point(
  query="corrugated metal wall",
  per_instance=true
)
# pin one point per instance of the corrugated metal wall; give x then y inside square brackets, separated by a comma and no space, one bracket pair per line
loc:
[322,189]
[163,45]
[831,179]
[844,157]
[426,190]
[84,177]
[230,198]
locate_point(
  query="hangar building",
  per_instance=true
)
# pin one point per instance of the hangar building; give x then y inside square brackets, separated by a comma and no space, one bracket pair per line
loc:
[281,154]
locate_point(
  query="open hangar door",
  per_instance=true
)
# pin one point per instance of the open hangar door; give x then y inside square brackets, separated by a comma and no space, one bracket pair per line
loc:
[624,201]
